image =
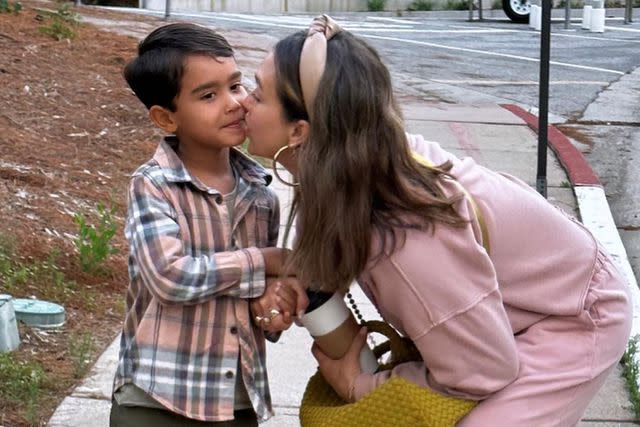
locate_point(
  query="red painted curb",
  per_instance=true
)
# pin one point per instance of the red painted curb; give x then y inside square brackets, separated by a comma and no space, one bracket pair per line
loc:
[574,163]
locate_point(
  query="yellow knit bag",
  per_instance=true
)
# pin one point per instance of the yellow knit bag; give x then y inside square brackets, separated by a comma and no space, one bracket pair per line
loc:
[397,402]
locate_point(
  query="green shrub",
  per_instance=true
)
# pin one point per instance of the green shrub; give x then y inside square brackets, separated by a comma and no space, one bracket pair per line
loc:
[17,274]
[375,5]
[574,4]
[10,7]
[62,25]
[80,350]
[94,241]
[457,5]
[630,372]
[423,5]
[21,384]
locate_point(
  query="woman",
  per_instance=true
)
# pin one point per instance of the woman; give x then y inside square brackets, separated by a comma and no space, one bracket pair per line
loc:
[530,327]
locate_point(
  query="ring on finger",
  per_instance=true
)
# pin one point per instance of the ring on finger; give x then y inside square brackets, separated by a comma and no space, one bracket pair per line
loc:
[273,313]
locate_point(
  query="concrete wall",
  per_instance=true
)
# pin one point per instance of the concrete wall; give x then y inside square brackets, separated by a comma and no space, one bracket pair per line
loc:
[271,6]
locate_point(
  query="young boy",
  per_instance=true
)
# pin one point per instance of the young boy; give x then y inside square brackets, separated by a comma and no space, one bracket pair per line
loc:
[202,228]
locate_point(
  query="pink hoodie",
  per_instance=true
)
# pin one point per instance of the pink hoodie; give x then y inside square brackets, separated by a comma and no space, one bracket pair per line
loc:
[462,306]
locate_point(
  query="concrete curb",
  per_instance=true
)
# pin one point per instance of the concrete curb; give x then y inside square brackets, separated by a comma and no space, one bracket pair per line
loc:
[592,203]
[577,168]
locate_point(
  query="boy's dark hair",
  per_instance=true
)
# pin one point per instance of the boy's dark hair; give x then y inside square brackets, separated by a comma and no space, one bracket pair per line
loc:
[156,73]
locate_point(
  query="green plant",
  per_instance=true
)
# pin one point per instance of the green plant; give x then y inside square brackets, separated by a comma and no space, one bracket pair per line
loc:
[375,5]
[574,4]
[630,371]
[21,384]
[62,23]
[17,274]
[10,7]
[58,30]
[620,3]
[80,350]
[423,5]
[94,242]
[457,5]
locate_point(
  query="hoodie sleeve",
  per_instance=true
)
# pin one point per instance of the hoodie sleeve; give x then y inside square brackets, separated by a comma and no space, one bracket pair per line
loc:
[441,290]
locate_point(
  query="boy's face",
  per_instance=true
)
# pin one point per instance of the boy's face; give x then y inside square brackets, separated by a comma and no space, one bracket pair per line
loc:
[208,111]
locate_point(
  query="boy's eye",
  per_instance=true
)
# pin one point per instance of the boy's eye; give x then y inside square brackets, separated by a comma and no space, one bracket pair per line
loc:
[237,87]
[208,95]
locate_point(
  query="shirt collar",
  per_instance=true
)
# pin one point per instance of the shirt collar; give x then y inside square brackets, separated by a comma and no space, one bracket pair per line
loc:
[174,169]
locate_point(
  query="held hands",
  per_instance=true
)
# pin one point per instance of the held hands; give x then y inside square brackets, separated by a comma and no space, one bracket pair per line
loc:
[341,374]
[283,299]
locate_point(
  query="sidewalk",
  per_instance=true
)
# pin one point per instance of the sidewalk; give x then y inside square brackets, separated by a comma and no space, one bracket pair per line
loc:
[496,138]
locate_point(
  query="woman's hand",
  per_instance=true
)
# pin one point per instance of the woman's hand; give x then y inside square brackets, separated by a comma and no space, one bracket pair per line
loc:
[341,374]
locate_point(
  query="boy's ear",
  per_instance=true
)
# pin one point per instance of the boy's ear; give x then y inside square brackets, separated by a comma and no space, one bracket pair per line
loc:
[298,133]
[163,118]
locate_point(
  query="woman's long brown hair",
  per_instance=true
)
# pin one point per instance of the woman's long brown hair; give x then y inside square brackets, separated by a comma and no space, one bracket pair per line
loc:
[356,172]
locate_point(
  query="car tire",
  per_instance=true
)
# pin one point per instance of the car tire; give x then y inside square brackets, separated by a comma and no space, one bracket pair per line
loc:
[517,10]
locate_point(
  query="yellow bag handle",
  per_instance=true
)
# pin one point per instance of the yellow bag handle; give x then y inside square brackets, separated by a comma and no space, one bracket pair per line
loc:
[476,209]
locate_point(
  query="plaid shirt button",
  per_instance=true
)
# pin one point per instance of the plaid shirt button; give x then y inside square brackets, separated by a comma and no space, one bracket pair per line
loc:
[229,374]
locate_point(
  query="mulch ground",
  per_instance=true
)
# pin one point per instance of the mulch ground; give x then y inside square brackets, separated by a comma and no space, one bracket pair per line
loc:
[71,132]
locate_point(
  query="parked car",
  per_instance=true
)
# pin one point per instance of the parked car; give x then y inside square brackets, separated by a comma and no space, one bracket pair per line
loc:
[517,10]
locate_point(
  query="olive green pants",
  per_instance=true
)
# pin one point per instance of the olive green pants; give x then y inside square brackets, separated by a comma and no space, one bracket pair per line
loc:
[138,416]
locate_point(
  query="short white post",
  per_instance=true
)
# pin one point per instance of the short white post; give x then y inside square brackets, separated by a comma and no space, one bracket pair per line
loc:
[597,16]
[534,12]
[539,16]
[586,15]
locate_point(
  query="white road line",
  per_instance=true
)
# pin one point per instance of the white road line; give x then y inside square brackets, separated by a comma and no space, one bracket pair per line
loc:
[559,34]
[301,23]
[480,82]
[604,39]
[401,30]
[399,21]
[502,55]
[352,26]
[631,30]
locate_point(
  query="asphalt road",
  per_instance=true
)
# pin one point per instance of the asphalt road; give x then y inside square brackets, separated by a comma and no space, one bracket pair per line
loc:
[450,58]
[594,78]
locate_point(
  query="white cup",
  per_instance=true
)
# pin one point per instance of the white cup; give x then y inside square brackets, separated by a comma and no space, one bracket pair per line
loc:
[333,327]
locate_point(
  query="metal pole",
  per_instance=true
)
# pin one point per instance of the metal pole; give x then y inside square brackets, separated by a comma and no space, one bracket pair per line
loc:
[167,9]
[470,10]
[567,13]
[628,12]
[543,107]
[480,10]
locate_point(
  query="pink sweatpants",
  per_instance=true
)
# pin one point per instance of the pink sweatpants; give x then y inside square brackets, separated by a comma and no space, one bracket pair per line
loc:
[564,360]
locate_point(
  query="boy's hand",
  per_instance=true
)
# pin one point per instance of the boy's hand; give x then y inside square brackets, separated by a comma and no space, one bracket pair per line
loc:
[275,260]
[275,309]
[269,311]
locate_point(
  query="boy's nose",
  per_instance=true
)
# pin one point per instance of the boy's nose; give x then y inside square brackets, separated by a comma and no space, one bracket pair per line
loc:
[235,101]
[246,102]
